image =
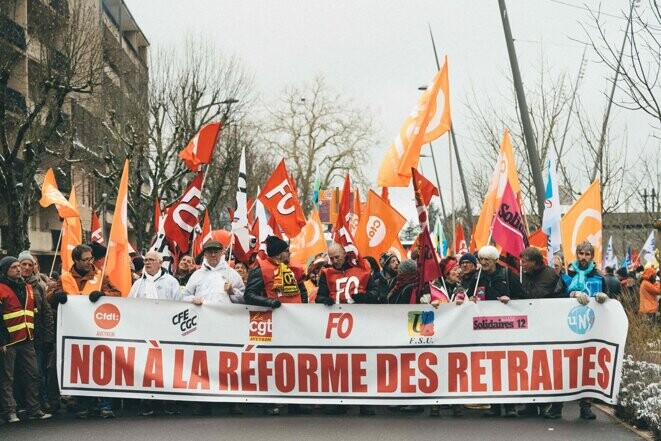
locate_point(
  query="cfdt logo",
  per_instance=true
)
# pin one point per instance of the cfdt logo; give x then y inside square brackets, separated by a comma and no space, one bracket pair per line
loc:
[261,326]
[581,319]
[106,316]
[186,321]
[421,327]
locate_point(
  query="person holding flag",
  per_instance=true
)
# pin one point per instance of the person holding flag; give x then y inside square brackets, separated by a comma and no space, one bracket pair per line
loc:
[650,291]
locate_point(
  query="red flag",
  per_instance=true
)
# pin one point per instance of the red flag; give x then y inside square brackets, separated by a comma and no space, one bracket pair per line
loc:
[509,229]
[539,240]
[200,148]
[183,216]
[385,194]
[157,215]
[280,198]
[459,245]
[97,231]
[418,184]
[275,228]
[428,268]
[342,228]
[427,189]
[204,236]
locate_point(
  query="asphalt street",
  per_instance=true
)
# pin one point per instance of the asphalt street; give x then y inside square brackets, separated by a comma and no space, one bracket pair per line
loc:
[385,425]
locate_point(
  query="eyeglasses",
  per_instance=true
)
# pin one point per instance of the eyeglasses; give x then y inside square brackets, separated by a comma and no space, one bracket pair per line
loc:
[89,259]
[150,260]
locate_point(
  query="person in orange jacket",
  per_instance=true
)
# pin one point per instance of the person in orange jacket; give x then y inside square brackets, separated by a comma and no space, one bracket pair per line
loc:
[650,290]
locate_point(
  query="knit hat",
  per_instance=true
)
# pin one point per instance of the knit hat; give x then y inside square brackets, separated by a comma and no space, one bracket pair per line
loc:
[385,259]
[5,263]
[98,251]
[468,257]
[407,266]
[489,252]
[447,265]
[275,246]
[25,255]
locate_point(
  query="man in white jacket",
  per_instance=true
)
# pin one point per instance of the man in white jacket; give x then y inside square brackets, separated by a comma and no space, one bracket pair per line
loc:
[214,281]
[155,283]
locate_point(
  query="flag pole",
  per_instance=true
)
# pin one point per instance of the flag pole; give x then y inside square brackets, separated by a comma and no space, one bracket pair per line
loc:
[479,273]
[57,247]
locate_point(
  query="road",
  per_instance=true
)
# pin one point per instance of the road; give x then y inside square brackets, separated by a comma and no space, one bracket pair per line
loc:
[386,425]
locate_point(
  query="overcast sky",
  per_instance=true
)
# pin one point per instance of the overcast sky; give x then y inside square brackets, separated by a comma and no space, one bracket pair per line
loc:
[379,52]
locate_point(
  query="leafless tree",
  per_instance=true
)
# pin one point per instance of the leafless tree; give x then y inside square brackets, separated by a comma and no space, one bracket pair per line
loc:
[317,130]
[68,44]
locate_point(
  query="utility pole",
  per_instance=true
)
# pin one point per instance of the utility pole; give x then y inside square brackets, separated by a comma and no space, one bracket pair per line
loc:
[462,178]
[531,145]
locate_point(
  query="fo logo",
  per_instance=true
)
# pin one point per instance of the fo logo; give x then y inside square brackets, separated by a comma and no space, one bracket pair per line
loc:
[581,319]
[106,316]
[421,323]
[261,326]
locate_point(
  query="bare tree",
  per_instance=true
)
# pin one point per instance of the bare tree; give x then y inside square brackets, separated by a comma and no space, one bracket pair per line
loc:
[68,42]
[317,130]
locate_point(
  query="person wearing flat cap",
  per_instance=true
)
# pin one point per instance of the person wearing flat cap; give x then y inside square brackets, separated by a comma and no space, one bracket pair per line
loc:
[273,281]
[214,281]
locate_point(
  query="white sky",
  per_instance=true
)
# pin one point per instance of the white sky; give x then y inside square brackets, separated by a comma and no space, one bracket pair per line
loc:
[379,52]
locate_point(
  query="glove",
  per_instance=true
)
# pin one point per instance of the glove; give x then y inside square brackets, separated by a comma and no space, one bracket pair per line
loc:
[601,297]
[581,297]
[425,298]
[274,303]
[95,295]
[329,302]
[60,297]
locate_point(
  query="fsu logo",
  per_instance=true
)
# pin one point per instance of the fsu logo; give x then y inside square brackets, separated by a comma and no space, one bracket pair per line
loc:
[421,327]
[261,326]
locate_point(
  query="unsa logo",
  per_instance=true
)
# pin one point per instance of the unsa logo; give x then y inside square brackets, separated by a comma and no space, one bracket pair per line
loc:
[376,230]
[581,319]
[106,316]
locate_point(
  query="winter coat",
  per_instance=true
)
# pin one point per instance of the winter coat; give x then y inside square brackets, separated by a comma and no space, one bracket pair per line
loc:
[208,283]
[44,323]
[542,283]
[167,287]
[649,293]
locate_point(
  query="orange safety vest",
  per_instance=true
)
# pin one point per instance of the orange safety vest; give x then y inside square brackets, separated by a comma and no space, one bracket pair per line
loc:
[271,271]
[347,283]
[19,319]
[70,286]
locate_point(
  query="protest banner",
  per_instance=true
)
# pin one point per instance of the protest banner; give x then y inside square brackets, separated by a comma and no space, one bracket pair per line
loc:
[523,351]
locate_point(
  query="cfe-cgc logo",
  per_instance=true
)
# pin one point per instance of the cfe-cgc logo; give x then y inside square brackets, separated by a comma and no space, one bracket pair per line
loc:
[581,319]
[106,317]
[186,321]
[261,326]
[421,327]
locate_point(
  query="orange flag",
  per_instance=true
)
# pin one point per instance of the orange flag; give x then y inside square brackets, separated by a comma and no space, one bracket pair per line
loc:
[583,222]
[72,234]
[310,241]
[429,120]
[96,231]
[397,249]
[379,227]
[539,240]
[200,148]
[505,171]
[118,262]
[280,199]
[51,195]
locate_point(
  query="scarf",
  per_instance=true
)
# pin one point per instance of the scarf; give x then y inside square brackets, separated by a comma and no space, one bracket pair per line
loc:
[578,281]
[284,282]
[402,281]
[149,284]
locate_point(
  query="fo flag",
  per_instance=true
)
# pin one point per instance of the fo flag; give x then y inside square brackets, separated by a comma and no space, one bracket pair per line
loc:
[509,230]
[342,228]
[200,148]
[280,199]
[183,216]
[428,268]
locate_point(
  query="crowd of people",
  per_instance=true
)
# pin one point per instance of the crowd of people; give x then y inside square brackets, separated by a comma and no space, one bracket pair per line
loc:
[29,301]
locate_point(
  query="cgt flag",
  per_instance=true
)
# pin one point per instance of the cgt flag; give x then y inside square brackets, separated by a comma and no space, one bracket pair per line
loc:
[183,216]
[200,149]
[509,229]
[378,227]
[583,222]
[280,199]
[96,230]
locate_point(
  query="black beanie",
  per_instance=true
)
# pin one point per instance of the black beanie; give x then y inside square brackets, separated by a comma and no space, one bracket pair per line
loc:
[275,246]
[98,250]
[5,263]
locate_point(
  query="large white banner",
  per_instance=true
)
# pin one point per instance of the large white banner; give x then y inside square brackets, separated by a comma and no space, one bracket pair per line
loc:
[525,351]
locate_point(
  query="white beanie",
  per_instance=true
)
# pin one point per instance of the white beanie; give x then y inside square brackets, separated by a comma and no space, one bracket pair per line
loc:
[24,255]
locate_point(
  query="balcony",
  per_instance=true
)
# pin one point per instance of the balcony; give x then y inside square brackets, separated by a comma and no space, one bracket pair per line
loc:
[12,32]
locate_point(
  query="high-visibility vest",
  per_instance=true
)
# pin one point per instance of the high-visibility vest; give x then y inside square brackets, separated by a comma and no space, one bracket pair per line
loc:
[18,319]
[344,284]
[70,286]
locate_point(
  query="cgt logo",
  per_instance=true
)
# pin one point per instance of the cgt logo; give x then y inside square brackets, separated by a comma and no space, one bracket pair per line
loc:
[421,327]
[106,316]
[261,326]
[581,319]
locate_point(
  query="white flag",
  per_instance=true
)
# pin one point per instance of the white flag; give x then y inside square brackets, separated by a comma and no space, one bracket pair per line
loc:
[647,252]
[240,221]
[610,259]
[552,212]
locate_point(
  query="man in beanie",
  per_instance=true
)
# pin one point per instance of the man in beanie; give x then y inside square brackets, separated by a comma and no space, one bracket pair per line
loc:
[272,282]
[214,281]
[44,341]
[17,331]
[468,265]
[98,254]
[332,291]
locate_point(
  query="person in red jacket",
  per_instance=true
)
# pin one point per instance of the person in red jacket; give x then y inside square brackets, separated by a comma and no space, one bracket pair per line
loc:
[17,332]
[649,295]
